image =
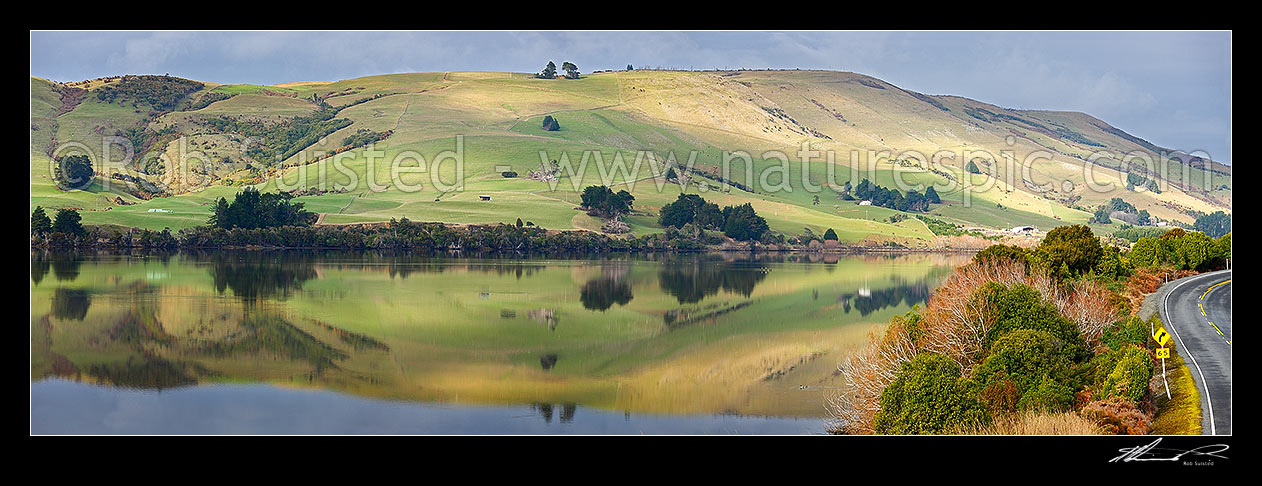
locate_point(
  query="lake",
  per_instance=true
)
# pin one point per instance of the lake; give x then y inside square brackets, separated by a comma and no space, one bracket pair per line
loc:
[370,343]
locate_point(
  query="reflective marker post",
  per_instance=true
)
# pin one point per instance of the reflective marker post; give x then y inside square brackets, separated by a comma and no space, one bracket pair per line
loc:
[1161,336]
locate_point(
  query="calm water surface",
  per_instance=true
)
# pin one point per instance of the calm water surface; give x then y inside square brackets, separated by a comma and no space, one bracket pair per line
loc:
[362,343]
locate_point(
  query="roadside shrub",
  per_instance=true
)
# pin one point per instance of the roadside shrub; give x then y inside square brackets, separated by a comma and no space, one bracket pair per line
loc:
[1000,395]
[1073,247]
[1020,306]
[1194,249]
[1146,252]
[928,397]
[1112,266]
[1131,331]
[996,252]
[1117,416]
[1049,395]
[1129,377]
[958,321]
[1027,358]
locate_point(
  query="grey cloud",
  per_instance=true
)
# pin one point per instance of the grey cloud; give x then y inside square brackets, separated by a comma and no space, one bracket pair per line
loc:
[1152,84]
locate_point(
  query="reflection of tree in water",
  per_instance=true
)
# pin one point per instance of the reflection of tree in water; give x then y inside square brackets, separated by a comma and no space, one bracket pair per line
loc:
[39,267]
[911,293]
[547,361]
[71,303]
[546,410]
[602,293]
[252,281]
[689,284]
[402,267]
[66,266]
[610,288]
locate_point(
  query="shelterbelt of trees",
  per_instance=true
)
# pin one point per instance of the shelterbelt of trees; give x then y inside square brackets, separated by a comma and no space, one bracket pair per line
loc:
[272,220]
[1039,340]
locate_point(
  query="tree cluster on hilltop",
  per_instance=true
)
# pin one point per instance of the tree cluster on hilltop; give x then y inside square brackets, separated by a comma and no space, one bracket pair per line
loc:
[162,93]
[550,71]
[741,222]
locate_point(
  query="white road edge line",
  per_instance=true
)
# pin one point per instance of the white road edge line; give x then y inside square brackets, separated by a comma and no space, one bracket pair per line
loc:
[1167,322]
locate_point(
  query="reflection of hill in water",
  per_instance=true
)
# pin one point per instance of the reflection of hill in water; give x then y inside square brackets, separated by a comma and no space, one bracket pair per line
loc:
[175,327]
[134,348]
[150,362]
[273,334]
[147,372]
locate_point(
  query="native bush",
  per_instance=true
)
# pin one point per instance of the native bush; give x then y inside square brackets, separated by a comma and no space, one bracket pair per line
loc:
[1020,306]
[1129,377]
[999,395]
[996,252]
[1073,247]
[1131,331]
[1048,395]
[1025,357]
[928,397]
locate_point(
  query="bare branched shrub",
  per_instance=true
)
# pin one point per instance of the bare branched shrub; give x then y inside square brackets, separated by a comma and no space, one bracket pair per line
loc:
[1089,306]
[957,321]
[867,372]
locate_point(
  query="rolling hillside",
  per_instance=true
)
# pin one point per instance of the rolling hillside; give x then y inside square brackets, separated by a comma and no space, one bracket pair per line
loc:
[498,118]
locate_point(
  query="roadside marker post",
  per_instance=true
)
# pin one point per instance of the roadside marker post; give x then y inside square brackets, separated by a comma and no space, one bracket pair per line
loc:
[1162,337]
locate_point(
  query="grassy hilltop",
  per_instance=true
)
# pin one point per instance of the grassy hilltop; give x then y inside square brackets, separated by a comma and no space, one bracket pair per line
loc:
[499,118]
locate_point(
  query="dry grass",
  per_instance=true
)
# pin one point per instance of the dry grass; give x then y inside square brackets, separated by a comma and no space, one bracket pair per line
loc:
[1181,413]
[1035,423]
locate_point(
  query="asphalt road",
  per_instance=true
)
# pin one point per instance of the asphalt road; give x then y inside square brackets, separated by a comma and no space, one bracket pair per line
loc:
[1196,311]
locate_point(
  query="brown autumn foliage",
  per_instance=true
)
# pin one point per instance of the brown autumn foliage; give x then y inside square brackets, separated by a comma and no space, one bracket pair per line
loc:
[1000,397]
[955,323]
[1117,416]
[1145,281]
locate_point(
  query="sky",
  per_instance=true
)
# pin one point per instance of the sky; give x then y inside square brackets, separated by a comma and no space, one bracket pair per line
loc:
[1172,88]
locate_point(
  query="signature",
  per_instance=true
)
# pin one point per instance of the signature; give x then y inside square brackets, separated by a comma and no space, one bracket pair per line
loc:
[1151,452]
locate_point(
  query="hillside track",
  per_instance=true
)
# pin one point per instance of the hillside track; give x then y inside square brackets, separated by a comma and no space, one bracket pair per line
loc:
[1197,312]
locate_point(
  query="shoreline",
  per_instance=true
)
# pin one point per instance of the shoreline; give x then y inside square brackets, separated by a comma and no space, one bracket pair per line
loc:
[487,250]
[432,237]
